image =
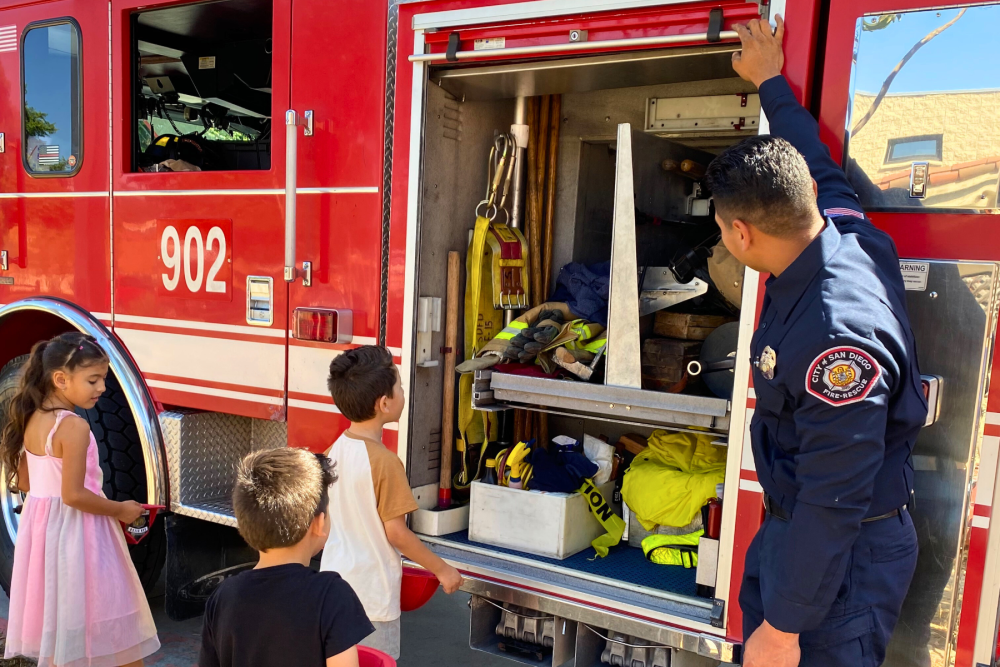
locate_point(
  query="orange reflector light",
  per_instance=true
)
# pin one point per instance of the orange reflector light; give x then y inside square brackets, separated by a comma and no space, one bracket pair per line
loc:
[323,325]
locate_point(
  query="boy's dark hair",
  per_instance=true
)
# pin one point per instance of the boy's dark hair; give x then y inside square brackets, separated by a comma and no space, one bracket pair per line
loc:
[764,181]
[67,352]
[359,378]
[278,492]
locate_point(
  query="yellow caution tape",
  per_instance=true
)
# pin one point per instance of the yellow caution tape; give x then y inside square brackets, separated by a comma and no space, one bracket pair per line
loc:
[602,511]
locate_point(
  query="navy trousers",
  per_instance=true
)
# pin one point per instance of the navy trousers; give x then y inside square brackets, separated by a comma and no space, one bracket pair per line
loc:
[857,629]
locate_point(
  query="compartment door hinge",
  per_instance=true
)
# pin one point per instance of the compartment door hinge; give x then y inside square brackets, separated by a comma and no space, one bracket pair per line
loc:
[718,613]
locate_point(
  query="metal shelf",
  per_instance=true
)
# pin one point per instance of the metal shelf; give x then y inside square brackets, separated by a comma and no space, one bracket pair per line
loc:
[609,403]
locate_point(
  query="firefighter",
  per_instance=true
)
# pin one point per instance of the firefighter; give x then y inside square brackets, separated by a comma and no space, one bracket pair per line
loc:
[839,398]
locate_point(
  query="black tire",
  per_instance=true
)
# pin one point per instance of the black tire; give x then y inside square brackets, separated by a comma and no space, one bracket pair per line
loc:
[123,466]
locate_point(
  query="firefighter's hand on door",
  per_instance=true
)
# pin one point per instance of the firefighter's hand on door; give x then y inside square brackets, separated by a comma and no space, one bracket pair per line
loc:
[761,57]
[770,647]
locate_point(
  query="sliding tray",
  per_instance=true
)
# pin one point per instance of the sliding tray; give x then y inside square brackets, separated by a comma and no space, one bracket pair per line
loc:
[610,403]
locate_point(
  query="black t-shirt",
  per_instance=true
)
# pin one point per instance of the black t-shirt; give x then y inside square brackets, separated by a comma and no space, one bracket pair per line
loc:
[280,616]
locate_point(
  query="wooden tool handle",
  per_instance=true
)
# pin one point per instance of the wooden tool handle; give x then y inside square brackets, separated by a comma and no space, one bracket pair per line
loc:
[448,396]
[693,168]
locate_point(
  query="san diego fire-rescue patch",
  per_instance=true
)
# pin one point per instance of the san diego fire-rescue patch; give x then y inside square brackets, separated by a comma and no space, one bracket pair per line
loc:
[842,375]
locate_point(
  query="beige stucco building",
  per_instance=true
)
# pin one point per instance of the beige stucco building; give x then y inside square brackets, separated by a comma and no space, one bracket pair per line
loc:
[957,133]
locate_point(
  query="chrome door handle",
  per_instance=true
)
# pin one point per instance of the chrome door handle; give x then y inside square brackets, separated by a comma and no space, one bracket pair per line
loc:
[292,124]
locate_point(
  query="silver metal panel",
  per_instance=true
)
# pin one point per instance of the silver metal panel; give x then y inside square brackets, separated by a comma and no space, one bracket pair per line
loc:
[618,403]
[954,325]
[685,640]
[590,73]
[202,451]
[623,357]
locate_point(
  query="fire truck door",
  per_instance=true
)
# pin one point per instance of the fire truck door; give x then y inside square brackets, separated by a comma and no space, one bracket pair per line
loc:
[919,100]
[54,235]
[200,91]
[338,68]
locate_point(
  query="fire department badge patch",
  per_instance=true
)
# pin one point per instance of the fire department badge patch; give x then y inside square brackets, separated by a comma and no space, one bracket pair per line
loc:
[842,375]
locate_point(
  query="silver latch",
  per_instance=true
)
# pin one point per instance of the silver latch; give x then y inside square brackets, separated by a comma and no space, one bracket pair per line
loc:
[932,385]
[1,143]
[3,260]
[260,305]
[919,172]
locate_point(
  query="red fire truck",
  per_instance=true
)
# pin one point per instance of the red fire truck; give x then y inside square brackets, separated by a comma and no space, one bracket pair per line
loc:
[227,194]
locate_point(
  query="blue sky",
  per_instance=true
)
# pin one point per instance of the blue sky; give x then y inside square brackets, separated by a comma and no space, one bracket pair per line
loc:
[963,57]
[47,78]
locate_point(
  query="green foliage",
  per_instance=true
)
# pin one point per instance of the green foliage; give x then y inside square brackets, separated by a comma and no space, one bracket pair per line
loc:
[36,123]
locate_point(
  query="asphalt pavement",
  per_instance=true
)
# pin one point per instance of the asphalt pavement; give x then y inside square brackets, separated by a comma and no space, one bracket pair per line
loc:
[436,634]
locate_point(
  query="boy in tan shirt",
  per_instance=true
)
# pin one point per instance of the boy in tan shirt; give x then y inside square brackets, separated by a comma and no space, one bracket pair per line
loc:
[372,497]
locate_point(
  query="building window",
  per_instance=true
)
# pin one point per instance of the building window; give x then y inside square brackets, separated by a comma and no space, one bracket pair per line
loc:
[51,113]
[908,149]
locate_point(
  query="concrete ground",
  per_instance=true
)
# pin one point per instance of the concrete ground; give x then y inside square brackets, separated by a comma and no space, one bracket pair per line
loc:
[436,634]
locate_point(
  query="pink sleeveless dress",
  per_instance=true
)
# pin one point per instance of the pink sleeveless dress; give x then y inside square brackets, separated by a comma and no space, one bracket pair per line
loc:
[75,599]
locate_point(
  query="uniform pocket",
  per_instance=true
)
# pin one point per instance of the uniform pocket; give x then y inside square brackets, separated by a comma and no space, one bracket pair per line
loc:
[899,543]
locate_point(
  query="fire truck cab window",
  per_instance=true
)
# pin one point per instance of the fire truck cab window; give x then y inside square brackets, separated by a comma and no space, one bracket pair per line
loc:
[202,91]
[51,114]
[925,104]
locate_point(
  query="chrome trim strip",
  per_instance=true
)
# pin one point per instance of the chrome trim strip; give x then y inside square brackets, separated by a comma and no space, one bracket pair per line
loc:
[51,195]
[525,10]
[245,191]
[140,403]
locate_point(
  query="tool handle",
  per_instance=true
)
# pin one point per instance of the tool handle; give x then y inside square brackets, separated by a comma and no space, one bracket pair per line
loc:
[448,395]
[692,168]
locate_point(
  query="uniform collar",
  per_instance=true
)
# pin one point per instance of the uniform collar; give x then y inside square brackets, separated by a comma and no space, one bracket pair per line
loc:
[786,290]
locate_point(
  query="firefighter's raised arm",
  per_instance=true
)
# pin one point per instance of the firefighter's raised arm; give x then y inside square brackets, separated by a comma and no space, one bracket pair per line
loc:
[760,62]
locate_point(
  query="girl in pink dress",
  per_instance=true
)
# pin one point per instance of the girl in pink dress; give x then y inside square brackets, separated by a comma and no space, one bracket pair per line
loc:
[75,599]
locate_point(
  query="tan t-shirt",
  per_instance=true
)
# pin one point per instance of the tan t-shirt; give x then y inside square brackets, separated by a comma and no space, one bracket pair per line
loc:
[371,489]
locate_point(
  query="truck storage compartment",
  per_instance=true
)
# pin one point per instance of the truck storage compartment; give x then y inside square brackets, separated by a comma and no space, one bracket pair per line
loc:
[635,133]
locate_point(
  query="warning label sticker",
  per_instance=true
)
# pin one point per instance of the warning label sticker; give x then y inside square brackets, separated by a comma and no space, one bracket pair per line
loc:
[206,62]
[488,43]
[915,274]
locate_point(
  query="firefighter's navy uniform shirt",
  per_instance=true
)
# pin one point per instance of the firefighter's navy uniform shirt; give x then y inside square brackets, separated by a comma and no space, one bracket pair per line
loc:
[834,426]
[280,616]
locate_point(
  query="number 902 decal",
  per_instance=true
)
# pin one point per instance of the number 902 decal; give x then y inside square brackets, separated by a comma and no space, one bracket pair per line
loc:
[195,259]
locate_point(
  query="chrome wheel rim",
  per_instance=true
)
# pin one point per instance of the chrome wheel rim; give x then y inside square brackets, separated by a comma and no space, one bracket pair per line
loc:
[10,506]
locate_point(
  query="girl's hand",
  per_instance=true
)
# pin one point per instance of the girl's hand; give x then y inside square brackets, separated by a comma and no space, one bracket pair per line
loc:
[129,511]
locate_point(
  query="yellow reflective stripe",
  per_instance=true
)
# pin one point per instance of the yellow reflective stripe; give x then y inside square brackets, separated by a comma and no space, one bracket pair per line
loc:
[511,330]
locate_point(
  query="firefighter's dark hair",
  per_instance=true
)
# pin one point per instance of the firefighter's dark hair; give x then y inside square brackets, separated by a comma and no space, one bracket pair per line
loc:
[66,352]
[359,378]
[278,493]
[763,181]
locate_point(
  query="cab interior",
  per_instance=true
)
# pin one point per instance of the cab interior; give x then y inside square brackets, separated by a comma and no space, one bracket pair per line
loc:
[202,78]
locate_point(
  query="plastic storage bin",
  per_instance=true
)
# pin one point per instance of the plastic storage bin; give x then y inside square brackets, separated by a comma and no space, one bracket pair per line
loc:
[545,524]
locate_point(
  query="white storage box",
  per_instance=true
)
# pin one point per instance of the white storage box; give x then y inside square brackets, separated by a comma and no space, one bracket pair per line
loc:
[554,525]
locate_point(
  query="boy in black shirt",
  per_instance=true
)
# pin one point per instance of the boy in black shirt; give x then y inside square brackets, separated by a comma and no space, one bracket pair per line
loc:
[282,612]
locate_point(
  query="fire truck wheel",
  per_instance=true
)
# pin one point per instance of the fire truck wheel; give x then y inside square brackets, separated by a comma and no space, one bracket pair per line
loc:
[124,475]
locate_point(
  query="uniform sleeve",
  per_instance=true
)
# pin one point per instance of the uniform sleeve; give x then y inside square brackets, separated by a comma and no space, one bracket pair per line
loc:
[840,414]
[209,655]
[392,490]
[790,121]
[344,622]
